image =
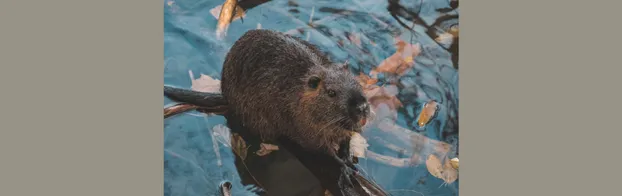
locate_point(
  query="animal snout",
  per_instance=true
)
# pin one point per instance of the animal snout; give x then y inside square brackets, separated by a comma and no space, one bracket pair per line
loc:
[363,108]
[359,105]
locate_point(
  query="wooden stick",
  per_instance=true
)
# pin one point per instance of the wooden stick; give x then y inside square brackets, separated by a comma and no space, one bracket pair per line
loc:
[178,109]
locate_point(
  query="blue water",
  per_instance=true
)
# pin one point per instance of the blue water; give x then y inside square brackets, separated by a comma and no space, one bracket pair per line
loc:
[190,44]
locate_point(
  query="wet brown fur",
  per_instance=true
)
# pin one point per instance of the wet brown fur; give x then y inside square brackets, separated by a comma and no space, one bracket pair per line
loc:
[265,80]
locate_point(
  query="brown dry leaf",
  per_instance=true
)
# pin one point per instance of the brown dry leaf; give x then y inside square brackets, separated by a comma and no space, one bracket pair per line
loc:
[266,149]
[428,111]
[454,163]
[434,166]
[204,83]
[366,81]
[239,145]
[226,15]
[401,61]
[450,174]
[445,171]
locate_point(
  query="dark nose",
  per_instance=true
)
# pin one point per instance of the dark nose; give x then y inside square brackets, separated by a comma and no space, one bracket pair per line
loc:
[358,104]
[363,108]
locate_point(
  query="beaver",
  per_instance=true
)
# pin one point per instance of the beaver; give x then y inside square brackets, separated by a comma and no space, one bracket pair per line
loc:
[281,85]
[278,86]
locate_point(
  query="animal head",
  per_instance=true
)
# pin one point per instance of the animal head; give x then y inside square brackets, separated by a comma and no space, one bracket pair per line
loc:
[333,100]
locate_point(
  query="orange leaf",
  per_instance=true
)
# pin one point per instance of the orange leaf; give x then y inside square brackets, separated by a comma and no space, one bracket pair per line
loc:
[428,111]
[402,60]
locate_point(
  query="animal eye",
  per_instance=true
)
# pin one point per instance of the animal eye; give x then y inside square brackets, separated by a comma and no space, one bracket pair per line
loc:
[314,82]
[331,93]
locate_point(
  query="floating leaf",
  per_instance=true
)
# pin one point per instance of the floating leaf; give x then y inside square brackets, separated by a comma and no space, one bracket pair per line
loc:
[204,83]
[383,96]
[366,81]
[266,149]
[427,113]
[239,145]
[434,166]
[401,61]
[454,163]
[445,171]
[450,174]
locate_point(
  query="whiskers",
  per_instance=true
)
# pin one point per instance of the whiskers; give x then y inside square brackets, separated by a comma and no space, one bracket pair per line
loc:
[328,125]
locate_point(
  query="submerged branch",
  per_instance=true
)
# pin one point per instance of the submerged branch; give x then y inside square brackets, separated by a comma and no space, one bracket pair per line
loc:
[178,109]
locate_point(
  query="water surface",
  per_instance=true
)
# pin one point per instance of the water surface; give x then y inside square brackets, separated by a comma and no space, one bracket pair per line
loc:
[361,32]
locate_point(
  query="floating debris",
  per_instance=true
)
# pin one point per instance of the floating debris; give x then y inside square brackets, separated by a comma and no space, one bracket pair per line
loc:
[401,61]
[434,166]
[454,163]
[266,149]
[445,172]
[204,83]
[450,174]
[238,145]
[428,112]
[358,145]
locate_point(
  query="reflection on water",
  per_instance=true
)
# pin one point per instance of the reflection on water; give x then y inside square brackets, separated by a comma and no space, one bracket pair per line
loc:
[401,71]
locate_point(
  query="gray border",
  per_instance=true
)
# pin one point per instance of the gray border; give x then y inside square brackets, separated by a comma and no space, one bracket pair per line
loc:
[82,98]
[534,87]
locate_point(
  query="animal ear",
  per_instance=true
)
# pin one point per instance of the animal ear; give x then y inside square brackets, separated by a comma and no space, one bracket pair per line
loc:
[345,66]
[314,82]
